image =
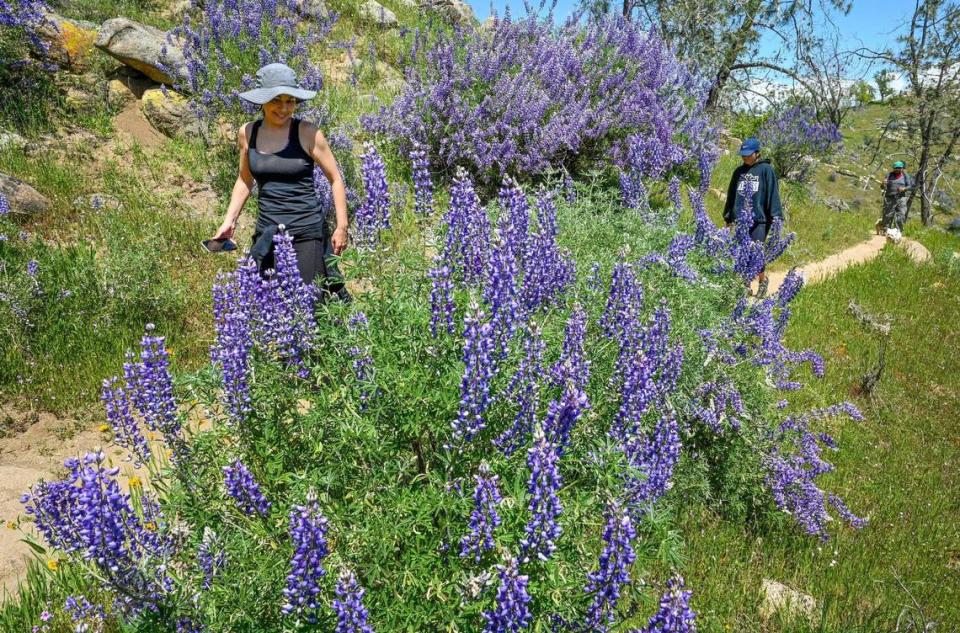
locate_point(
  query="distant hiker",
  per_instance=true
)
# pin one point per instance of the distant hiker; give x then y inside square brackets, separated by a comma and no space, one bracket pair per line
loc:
[754,185]
[896,187]
[279,152]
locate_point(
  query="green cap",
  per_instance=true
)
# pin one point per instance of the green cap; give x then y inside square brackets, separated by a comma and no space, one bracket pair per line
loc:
[899,165]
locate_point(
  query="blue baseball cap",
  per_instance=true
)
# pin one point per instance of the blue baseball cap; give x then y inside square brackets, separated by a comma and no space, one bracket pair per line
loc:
[750,146]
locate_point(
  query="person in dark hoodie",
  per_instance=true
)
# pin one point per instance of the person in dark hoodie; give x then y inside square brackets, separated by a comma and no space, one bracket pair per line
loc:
[754,178]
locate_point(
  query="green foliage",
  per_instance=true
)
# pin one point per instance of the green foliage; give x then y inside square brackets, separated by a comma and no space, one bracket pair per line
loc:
[747,124]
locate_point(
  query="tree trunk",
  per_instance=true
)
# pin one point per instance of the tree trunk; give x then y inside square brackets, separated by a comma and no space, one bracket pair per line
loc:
[733,52]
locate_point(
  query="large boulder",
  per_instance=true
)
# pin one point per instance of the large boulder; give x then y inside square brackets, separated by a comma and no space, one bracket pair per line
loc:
[22,197]
[68,42]
[453,11]
[170,114]
[313,9]
[779,598]
[142,47]
[374,12]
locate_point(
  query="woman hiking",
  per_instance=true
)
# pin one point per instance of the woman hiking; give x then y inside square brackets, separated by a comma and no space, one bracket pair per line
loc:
[754,180]
[279,152]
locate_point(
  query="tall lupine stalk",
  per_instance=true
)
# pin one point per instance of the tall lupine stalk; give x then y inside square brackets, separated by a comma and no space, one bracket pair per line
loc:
[467,246]
[422,181]
[308,533]
[516,216]
[707,235]
[654,456]
[524,388]
[563,414]
[675,259]
[150,387]
[210,557]
[528,95]
[478,372]
[501,294]
[442,306]
[777,242]
[511,611]
[373,214]
[573,363]
[675,199]
[713,400]
[233,299]
[244,489]
[224,42]
[348,606]
[88,515]
[484,518]
[126,430]
[613,573]
[674,614]
[794,464]
[543,528]
[624,302]
[547,270]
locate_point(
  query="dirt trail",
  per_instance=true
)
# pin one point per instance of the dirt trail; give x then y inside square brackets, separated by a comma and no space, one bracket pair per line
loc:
[816,272]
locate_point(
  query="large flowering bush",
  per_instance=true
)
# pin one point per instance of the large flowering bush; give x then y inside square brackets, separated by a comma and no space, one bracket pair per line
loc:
[790,135]
[524,96]
[494,442]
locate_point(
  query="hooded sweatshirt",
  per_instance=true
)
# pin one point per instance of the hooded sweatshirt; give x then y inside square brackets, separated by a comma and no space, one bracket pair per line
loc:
[761,179]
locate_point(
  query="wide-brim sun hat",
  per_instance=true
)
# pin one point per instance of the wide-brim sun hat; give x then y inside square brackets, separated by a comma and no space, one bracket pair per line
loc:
[274,80]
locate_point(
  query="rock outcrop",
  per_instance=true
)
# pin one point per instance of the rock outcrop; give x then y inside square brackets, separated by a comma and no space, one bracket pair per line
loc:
[170,114]
[142,47]
[22,197]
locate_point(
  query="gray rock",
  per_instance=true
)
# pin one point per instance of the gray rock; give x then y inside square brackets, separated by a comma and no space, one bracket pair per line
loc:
[142,47]
[944,200]
[954,226]
[373,11]
[837,204]
[170,114]
[97,201]
[69,42]
[453,11]
[313,9]
[779,598]
[22,197]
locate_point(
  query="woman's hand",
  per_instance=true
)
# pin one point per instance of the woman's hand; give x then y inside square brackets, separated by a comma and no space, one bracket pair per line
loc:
[225,232]
[339,240]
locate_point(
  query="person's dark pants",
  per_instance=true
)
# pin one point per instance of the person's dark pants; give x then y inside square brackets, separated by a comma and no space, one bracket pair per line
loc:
[758,233]
[312,261]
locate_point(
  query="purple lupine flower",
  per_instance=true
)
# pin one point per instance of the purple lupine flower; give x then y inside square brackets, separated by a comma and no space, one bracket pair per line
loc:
[478,372]
[606,583]
[211,557]
[363,371]
[33,268]
[308,533]
[595,279]
[542,529]
[373,214]
[245,490]
[358,321]
[484,517]
[625,301]
[234,338]
[442,305]
[569,189]
[776,243]
[674,615]
[713,400]
[706,235]
[324,191]
[547,270]
[4,206]
[510,612]
[467,246]
[516,215]
[501,294]
[422,182]
[348,606]
[87,514]
[298,297]
[633,193]
[675,258]
[794,464]
[675,199]
[126,431]
[654,456]
[149,385]
[187,625]
[790,134]
[524,387]
[85,615]
[572,364]
[563,414]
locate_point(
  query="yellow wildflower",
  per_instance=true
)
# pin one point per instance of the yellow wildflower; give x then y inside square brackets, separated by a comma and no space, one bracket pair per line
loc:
[104,428]
[135,482]
[151,526]
[52,564]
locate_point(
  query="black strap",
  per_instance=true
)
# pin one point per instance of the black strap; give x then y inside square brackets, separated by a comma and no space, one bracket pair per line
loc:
[253,133]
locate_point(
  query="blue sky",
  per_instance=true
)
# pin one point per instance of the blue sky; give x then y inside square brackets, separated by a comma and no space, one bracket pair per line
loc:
[871,22]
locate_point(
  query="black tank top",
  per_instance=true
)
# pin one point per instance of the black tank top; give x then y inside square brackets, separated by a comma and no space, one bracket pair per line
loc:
[285,181]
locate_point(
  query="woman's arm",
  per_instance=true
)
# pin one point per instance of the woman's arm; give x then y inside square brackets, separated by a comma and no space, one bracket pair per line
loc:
[316,145]
[241,189]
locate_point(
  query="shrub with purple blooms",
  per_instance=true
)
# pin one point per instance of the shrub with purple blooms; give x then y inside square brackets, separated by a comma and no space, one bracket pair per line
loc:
[791,134]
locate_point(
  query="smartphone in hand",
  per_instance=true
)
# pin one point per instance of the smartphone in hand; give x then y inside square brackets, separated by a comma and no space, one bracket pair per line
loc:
[217,246]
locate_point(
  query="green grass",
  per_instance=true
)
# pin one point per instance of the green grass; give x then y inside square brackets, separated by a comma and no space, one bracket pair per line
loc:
[898,467]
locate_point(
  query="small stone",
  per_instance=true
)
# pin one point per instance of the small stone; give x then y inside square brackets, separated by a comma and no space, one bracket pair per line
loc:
[170,114]
[22,197]
[778,598]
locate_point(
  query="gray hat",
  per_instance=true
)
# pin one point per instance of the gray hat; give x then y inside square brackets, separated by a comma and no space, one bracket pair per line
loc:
[273,80]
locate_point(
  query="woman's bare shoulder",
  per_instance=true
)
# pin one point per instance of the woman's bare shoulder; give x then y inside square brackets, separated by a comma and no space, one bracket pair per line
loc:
[309,132]
[244,132]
